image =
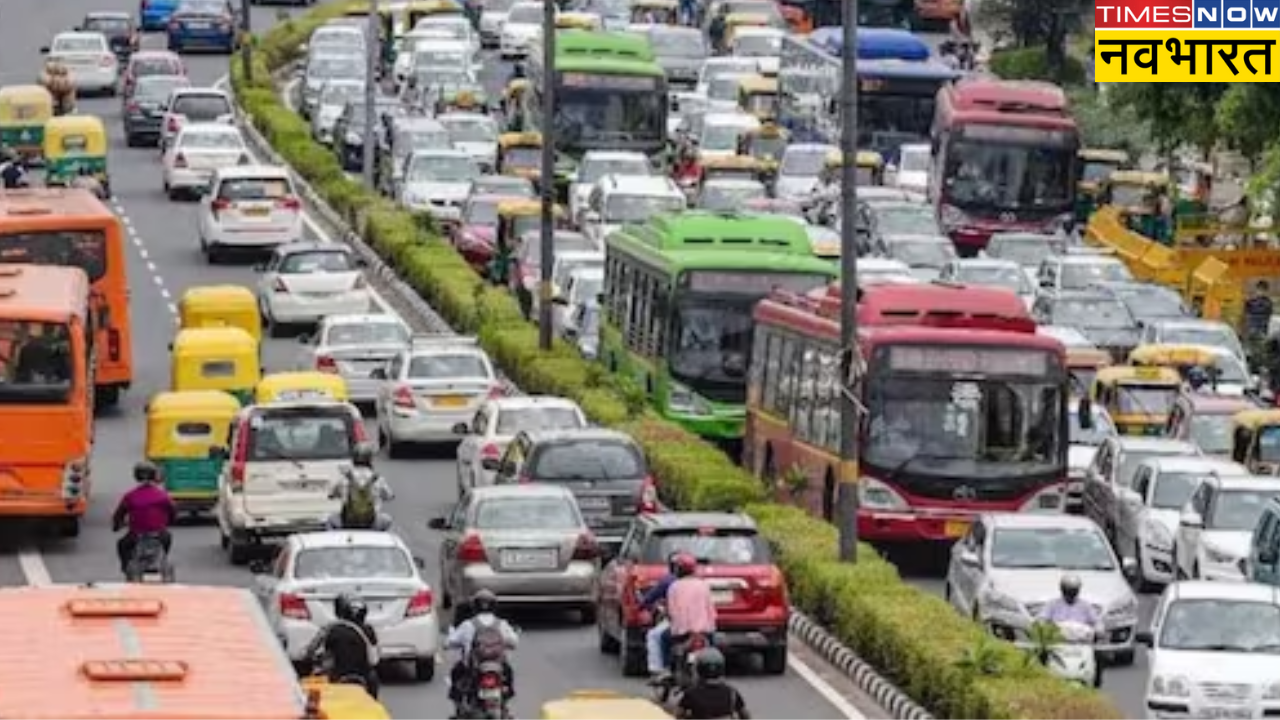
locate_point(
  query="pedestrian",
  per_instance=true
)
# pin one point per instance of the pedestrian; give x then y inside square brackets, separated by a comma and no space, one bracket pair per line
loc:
[1257,312]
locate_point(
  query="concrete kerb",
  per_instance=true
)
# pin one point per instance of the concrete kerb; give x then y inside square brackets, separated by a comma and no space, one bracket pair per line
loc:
[422,318]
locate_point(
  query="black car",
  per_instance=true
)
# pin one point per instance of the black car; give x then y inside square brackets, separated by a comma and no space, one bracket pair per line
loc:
[119,29]
[349,132]
[143,108]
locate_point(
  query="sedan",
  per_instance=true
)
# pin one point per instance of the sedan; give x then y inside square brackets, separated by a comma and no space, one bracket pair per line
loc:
[1009,566]
[197,153]
[206,24]
[298,590]
[527,544]
[143,114]
[334,97]
[437,181]
[498,422]
[475,134]
[117,27]
[352,347]
[305,281]
[88,58]
[986,272]
[146,63]
[524,22]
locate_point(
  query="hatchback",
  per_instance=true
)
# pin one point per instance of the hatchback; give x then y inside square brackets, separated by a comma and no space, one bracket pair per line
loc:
[89,60]
[144,107]
[197,153]
[189,105]
[352,347]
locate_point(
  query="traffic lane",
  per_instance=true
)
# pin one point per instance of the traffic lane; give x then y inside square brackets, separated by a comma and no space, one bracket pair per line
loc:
[1125,686]
[11,572]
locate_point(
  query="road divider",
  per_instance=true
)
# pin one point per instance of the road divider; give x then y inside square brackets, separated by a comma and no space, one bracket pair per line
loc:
[942,661]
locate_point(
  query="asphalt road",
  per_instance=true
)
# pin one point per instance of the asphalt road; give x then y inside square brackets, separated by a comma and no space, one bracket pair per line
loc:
[556,657]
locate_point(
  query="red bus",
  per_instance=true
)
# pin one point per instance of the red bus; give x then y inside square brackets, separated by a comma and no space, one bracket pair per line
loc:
[961,415]
[1004,159]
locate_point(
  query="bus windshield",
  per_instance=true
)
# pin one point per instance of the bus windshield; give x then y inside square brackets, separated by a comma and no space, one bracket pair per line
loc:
[711,346]
[85,249]
[984,173]
[603,110]
[36,362]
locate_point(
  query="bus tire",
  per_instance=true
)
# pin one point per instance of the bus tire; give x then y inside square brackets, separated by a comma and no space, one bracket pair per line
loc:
[107,395]
[68,527]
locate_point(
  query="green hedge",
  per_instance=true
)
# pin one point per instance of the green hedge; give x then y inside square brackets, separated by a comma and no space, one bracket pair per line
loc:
[917,640]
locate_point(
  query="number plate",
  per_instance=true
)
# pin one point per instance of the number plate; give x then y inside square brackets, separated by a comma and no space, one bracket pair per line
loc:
[304,485]
[198,26]
[152,578]
[256,212]
[489,693]
[722,597]
[1226,712]
[529,559]
[449,401]
[956,528]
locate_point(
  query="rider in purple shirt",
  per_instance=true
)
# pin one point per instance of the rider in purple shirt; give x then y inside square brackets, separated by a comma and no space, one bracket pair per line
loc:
[1069,607]
[146,509]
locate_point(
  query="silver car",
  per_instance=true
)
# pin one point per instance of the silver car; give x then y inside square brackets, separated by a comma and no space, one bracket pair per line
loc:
[527,544]
[353,346]
[322,68]
[438,181]
[334,96]
[88,58]
[426,390]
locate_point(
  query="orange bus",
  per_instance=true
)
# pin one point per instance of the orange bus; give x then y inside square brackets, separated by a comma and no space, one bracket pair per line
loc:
[59,226]
[46,406]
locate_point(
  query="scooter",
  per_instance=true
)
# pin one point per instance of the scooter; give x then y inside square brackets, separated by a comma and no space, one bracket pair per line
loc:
[149,563]
[1073,659]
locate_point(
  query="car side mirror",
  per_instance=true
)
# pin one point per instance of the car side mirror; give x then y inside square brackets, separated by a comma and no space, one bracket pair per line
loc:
[1268,556]
[1084,414]
[378,373]
[1191,519]
[1144,637]
[491,464]
[461,429]
[419,563]
[438,523]
[1129,566]
[259,567]
[970,558]
[218,453]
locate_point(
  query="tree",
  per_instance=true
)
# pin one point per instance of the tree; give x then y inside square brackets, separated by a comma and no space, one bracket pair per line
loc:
[1034,23]
[1177,113]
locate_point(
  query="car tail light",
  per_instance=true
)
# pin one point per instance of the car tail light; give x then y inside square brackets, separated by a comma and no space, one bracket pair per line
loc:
[180,161]
[358,433]
[133,107]
[648,496]
[113,344]
[292,606]
[587,548]
[420,604]
[489,681]
[289,203]
[280,287]
[241,455]
[107,60]
[326,364]
[404,398]
[471,550]
[773,587]
[220,205]
[491,451]
[497,391]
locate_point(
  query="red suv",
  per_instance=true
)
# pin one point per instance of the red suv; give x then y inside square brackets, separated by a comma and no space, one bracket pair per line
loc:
[750,591]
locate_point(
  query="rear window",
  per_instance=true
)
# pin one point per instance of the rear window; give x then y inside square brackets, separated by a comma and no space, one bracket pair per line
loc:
[543,513]
[352,562]
[713,546]
[108,26]
[448,367]
[194,429]
[218,369]
[156,88]
[302,433]
[143,67]
[320,261]
[255,189]
[513,421]
[208,139]
[588,460]
[202,107]
[85,249]
[377,333]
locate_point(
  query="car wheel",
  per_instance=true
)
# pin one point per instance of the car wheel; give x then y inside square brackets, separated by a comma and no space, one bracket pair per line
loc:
[238,551]
[131,140]
[68,527]
[395,449]
[775,659]
[424,669]
[633,663]
[587,615]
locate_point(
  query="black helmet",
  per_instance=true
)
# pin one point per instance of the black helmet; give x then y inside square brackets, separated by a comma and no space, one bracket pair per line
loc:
[1070,586]
[484,601]
[145,472]
[709,664]
[350,608]
[362,454]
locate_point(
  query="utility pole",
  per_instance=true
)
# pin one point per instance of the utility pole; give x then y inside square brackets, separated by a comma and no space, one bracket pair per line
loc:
[847,490]
[548,174]
[371,93]
[246,40]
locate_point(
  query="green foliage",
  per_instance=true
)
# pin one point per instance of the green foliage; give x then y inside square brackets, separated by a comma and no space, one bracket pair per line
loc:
[915,639]
[1033,64]
[1103,125]
[1176,113]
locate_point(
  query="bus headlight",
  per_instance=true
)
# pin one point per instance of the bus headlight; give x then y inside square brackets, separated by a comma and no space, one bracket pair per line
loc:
[683,401]
[875,495]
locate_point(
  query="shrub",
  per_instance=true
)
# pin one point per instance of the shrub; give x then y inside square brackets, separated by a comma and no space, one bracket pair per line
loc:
[1033,64]
[915,639]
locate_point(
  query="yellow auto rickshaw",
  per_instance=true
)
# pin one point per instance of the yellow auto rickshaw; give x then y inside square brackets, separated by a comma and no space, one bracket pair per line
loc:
[1097,164]
[601,705]
[1180,358]
[517,217]
[341,701]
[300,385]
[1083,364]
[181,428]
[731,167]
[24,111]
[1255,441]
[1136,194]
[870,168]
[73,143]
[416,10]
[758,95]
[520,154]
[206,306]
[1138,399]
[578,21]
[655,12]
[766,144]
[216,358]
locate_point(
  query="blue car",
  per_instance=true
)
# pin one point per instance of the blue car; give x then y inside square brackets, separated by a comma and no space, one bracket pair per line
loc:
[153,15]
[203,25]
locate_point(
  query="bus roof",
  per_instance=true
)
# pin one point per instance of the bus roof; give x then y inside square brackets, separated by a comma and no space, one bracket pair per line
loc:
[940,305]
[608,66]
[44,293]
[874,43]
[1009,96]
[142,651]
[707,231]
[600,44]
[51,203]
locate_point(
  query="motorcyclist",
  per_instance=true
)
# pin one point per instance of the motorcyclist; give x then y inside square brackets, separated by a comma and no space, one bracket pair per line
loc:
[711,697]
[146,509]
[691,609]
[1197,378]
[12,171]
[655,640]
[1070,608]
[462,637]
[348,645]
[362,492]
[686,170]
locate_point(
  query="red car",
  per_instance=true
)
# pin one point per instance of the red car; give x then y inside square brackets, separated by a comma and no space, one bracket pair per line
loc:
[150,62]
[474,237]
[750,591]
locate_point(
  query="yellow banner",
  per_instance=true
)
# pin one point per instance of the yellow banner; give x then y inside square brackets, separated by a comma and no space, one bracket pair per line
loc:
[1186,56]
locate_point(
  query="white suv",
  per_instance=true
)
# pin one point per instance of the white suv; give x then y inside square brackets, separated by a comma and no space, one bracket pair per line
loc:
[617,200]
[252,207]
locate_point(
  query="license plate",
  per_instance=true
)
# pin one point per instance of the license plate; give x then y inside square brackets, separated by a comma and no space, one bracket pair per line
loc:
[449,401]
[198,26]
[489,693]
[590,504]
[304,485]
[722,597]
[1225,712]
[955,528]
[152,578]
[529,559]
[256,212]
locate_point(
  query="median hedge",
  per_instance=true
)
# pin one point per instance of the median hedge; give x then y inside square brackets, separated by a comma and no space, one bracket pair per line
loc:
[916,640]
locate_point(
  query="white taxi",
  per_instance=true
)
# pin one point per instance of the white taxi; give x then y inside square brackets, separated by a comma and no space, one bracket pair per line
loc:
[88,59]
[196,153]
[305,281]
[248,207]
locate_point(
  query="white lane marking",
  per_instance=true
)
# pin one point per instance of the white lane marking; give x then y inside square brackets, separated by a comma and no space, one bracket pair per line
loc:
[141,247]
[806,673]
[33,568]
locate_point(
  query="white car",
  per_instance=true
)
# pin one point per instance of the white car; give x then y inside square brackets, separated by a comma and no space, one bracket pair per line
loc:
[497,423]
[722,92]
[617,200]
[1010,565]
[493,15]
[1080,272]
[926,255]
[475,134]
[1084,444]
[762,44]
[1026,249]
[433,46]
[426,390]
[1151,509]
[336,39]
[802,164]
[298,591]
[88,59]
[352,347]
[305,281]
[198,152]
[457,27]
[1114,464]
[596,164]
[719,65]
[565,262]
[523,24]
[872,270]
[189,105]
[248,207]
[1214,651]
[1216,526]
[582,285]
[334,96]
[989,272]
[1193,331]
[915,162]
[729,194]
[438,181]
[720,133]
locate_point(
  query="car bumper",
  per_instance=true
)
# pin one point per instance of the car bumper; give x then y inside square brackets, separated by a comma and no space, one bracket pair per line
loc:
[222,41]
[408,639]
[426,427]
[286,307]
[249,527]
[750,638]
[255,237]
[573,585]
[514,47]
[361,388]
[186,178]
[142,126]
[90,80]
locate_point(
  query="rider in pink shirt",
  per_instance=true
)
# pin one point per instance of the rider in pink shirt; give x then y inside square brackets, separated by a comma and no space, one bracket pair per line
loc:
[690,606]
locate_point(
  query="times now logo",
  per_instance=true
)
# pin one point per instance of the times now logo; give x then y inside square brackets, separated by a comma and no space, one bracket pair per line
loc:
[1192,14]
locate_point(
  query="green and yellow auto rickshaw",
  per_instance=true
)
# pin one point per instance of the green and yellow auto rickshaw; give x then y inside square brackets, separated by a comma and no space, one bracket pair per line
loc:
[1096,165]
[216,358]
[1136,194]
[73,143]
[24,112]
[520,155]
[181,428]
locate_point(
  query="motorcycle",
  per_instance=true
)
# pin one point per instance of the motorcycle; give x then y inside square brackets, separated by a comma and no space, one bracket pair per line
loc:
[681,656]
[1072,658]
[149,563]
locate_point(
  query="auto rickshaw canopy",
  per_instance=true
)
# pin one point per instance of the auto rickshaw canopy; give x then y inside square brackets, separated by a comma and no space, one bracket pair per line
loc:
[601,705]
[300,385]
[1173,356]
[167,410]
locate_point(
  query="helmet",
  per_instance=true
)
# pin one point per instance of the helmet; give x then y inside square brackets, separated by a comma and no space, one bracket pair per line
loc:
[350,608]
[1070,586]
[362,454]
[684,564]
[709,664]
[484,601]
[145,472]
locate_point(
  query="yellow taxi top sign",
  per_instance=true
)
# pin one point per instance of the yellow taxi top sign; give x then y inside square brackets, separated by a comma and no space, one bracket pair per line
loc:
[1148,373]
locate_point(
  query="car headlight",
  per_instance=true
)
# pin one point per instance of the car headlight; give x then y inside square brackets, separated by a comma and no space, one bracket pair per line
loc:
[952,216]
[1170,686]
[681,399]
[997,601]
[1157,536]
[1125,608]
[1271,692]
[1217,557]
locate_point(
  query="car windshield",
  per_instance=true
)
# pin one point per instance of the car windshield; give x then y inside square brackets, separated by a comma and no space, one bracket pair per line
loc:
[1221,625]
[529,513]
[594,169]
[1008,277]
[1212,432]
[1210,335]
[339,94]
[442,169]
[758,46]
[1094,311]
[713,546]
[1026,251]
[109,25]
[1080,275]
[210,140]
[481,212]
[441,366]
[427,57]
[1150,301]
[525,14]
[336,39]
[678,43]
[1146,400]
[1065,548]
[156,88]
[905,219]
[620,209]
[37,362]
[254,189]
[721,137]
[504,186]
[807,162]
[411,140]
[296,434]
[352,562]
[1095,435]
[333,67]
[1237,509]
[565,242]
[366,333]
[1130,461]
[149,66]
[316,261]
[467,129]
[724,87]
[587,287]
[588,460]
[721,197]
[202,108]
[1173,489]
[514,420]
[914,161]
[78,44]
[922,253]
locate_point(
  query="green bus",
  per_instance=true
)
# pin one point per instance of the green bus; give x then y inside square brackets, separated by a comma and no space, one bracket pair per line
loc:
[679,291]
[610,94]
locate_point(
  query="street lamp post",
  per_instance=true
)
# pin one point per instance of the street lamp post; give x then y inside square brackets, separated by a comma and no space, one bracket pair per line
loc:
[246,41]
[371,94]
[847,489]
[548,174]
